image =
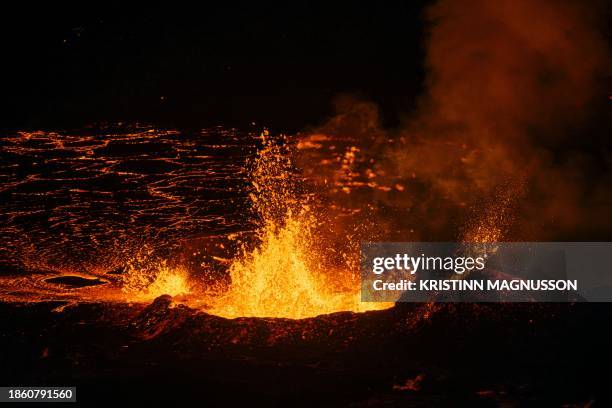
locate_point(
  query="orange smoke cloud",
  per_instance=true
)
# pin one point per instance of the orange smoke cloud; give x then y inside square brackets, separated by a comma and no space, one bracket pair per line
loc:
[509,85]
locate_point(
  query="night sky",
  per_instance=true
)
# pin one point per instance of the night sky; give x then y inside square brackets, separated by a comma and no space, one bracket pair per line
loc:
[223,63]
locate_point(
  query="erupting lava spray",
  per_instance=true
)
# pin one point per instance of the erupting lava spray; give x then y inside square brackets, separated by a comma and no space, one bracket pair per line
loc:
[285,275]
[142,283]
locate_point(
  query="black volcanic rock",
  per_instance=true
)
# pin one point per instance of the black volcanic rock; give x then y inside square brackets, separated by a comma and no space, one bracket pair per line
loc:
[75,281]
[464,353]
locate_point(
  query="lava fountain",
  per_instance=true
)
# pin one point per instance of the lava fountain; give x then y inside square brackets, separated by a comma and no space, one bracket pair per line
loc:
[140,284]
[285,274]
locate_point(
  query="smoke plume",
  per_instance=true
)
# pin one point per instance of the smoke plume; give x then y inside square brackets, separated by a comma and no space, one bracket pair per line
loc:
[503,131]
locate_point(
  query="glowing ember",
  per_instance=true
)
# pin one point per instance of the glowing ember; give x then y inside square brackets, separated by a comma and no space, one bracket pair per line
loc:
[284,276]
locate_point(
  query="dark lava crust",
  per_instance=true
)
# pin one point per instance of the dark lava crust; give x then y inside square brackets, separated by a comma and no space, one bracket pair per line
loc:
[410,355]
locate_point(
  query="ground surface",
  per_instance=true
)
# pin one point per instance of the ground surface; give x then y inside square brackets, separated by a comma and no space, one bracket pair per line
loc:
[411,355]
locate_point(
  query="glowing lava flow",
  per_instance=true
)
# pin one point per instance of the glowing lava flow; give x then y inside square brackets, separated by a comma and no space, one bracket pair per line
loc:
[285,276]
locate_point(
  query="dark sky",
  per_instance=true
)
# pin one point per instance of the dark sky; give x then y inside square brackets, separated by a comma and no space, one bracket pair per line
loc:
[220,63]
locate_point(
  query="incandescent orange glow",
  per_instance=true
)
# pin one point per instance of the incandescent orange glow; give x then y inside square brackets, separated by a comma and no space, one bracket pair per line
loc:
[285,276]
[280,278]
[138,285]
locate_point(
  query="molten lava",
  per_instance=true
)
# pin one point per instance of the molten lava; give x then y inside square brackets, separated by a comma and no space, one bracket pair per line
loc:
[134,200]
[285,275]
[164,280]
[281,278]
